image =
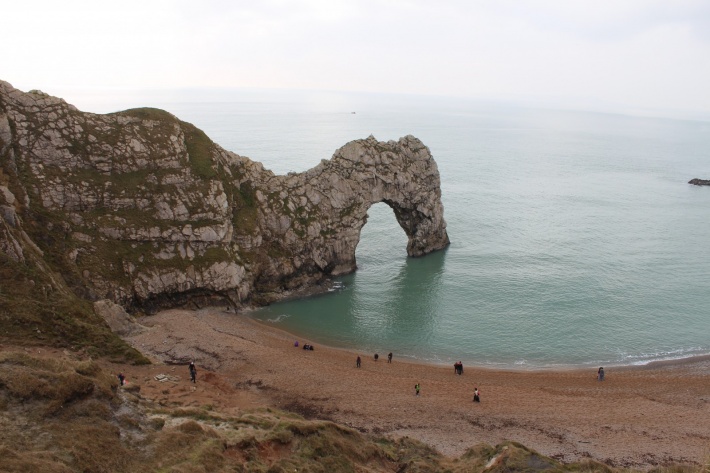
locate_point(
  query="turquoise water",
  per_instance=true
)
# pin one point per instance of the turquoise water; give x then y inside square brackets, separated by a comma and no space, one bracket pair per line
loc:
[576,239]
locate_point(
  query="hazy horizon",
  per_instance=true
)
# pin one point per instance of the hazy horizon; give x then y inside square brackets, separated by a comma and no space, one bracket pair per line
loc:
[637,57]
[111,99]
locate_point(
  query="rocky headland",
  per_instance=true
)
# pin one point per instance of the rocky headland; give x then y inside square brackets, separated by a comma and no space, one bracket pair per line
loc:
[699,182]
[143,209]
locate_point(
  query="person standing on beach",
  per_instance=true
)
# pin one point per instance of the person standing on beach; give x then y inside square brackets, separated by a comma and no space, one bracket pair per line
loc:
[476,395]
[376,356]
[600,374]
[458,368]
[416,389]
[389,358]
[357,362]
[193,372]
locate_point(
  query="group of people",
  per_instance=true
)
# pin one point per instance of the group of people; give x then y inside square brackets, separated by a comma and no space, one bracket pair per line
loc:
[458,368]
[358,361]
[191,368]
[476,392]
[377,357]
[306,346]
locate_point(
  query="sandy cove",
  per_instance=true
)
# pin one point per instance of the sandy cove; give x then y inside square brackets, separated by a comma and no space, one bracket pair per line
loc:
[638,417]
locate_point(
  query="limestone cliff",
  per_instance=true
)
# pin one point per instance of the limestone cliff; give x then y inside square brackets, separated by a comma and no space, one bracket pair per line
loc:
[144,209]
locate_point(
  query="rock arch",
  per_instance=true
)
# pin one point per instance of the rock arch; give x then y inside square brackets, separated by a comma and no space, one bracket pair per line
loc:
[338,193]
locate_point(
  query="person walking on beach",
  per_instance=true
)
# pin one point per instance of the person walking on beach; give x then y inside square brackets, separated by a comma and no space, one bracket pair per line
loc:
[600,374]
[357,362]
[193,372]
[416,389]
[476,395]
[121,378]
[389,358]
[376,356]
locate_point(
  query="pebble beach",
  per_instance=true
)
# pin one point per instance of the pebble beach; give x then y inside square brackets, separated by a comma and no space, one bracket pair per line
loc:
[640,417]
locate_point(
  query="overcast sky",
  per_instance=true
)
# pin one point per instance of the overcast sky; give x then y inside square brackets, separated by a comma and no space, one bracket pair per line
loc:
[625,55]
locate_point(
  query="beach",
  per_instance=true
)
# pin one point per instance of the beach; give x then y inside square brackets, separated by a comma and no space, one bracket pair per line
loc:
[638,417]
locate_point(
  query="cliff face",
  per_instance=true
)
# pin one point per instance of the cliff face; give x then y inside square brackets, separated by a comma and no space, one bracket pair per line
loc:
[144,209]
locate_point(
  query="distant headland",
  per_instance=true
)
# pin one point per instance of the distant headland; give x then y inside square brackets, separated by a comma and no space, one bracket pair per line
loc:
[699,182]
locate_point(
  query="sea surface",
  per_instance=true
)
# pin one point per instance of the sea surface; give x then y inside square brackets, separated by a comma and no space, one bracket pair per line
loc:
[575,238]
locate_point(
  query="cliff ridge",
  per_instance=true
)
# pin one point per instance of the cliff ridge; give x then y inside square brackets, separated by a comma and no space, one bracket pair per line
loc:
[144,209]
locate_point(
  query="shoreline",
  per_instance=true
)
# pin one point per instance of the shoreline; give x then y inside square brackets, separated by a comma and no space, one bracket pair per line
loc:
[503,367]
[639,417]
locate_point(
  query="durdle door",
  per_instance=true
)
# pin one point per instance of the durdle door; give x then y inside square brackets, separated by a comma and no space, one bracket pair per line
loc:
[144,209]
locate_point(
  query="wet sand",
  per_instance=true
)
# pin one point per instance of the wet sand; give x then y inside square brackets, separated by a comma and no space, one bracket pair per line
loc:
[638,417]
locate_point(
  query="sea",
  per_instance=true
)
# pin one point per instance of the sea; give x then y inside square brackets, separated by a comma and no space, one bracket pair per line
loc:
[576,240]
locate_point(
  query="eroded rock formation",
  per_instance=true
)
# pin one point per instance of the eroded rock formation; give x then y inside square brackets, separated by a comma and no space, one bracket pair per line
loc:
[144,209]
[699,182]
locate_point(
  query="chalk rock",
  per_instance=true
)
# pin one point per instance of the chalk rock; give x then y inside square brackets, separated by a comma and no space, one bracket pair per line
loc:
[149,212]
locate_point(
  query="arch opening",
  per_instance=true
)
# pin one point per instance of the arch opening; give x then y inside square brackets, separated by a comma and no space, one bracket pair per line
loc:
[382,240]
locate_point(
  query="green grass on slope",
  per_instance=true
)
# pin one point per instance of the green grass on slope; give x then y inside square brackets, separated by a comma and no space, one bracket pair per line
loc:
[34,311]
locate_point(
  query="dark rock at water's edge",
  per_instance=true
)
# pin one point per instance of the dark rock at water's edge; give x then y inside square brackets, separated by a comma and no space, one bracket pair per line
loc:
[144,209]
[699,182]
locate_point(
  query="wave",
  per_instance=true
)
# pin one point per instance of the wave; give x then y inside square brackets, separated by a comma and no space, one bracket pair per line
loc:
[336,286]
[669,355]
[278,318]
